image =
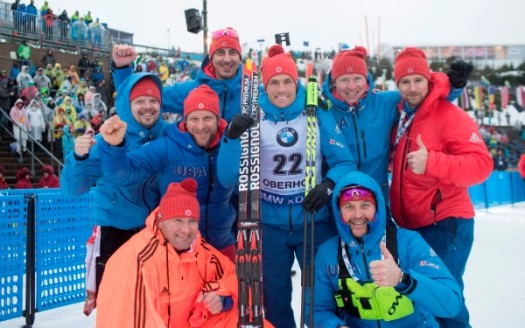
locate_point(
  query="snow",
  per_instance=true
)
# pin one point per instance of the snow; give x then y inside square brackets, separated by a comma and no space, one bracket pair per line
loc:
[494,288]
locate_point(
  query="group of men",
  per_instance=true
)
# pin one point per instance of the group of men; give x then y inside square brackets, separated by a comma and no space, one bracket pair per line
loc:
[138,162]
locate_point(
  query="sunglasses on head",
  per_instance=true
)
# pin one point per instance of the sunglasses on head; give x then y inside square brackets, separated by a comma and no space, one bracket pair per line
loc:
[351,193]
[225,31]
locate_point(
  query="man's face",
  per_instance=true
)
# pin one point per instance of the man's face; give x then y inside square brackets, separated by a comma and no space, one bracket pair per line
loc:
[226,62]
[180,232]
[202,125]
[145,110]
[351,87]
[357,213]
[281,90]
[413,88]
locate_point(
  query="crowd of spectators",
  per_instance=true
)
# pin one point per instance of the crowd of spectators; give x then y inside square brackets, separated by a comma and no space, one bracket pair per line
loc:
[79,28]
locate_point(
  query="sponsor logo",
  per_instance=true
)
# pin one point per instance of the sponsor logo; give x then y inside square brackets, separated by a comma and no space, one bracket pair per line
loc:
[287,137]
[424,263]
[335,143]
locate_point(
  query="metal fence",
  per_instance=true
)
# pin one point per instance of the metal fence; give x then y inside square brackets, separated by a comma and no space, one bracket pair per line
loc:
[43,238]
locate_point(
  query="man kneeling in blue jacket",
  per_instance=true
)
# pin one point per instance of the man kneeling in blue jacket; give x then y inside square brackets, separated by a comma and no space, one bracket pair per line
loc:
[372,275]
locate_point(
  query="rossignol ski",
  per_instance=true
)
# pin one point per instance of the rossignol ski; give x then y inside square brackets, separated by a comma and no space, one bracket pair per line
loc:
[307,274]
[249,236]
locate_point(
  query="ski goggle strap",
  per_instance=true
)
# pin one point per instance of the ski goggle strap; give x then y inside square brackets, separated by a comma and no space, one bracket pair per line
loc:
[225,31]
[355,193]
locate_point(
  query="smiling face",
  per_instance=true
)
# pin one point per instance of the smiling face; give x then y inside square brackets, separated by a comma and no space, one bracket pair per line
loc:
[202,125]
[413,88]
[351,87]
[357,213]
[226,62]
[281,90]
[180,232]
[145,110]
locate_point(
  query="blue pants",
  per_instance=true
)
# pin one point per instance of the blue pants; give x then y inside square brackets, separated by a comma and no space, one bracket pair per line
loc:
[279,248]
[452,240]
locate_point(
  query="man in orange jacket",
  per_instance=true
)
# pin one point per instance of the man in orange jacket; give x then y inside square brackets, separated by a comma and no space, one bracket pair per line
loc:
[167,275]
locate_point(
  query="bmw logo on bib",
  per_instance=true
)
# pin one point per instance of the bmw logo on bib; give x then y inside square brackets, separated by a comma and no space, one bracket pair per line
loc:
[287,137]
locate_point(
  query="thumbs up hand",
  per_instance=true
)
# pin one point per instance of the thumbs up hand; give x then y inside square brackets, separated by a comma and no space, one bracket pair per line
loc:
[385,272]
[417,160]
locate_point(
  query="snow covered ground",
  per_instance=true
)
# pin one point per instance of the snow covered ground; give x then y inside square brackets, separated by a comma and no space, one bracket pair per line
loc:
[495,291]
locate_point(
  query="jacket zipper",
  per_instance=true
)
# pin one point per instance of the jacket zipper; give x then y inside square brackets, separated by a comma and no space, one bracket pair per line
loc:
[357,141]
[223,112]
[404,167]
[210,189]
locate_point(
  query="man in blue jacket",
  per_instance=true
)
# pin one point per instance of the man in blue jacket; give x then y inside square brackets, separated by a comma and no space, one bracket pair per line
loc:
[283,149]
[221,70]
[119,210]
[358,280]
[188,150]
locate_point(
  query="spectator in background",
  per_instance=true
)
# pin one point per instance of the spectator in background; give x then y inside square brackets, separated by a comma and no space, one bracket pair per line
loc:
[48,179]
[75,17]
[23,53]
[500,161]
[58,77]
[31,12]
[23,179]
[81,87]
[49,19]
[6,92]
[96,30]
[41,80]
[22,19]
[83,65]
[98,105]
[80,102]
[59,122]
[90,93]
[68,142]
[81,126]
[29,92]
[163,72]
[16,17]
[35,115]
[23,78]
[64,23]
[79,31]
[97,71]
[20,125]
[73,74]
[3,183]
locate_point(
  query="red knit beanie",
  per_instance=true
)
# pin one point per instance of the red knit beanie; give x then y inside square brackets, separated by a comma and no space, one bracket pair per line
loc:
[277,63]
[411,61]
[350,62]
[145,87]
[202,98]
[180,201]
[224,38]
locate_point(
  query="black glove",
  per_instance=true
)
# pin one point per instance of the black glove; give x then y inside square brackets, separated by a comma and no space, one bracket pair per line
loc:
[459,73]
[238,125]
[318,196]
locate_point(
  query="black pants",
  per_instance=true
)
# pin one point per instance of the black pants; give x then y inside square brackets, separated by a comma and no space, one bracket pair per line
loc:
[111,239]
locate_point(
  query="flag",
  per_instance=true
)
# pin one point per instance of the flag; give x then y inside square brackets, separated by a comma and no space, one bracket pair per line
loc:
[464,99]
[478,97]
[309,70]
[520,95]
[492,97]
[504,96]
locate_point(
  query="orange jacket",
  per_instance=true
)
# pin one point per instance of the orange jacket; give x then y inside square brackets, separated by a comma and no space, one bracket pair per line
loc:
[147,284]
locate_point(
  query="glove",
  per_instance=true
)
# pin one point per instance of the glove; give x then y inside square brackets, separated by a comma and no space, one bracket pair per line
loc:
[459,73]
[239,124]
[318,196]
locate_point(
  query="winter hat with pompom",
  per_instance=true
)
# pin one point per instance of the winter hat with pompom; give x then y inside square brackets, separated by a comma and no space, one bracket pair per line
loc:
[350,62]
[202,98]
[180,201]
[411,61]
[277,63]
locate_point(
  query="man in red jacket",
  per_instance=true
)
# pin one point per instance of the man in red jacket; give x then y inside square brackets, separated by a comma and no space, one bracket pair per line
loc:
[438,153]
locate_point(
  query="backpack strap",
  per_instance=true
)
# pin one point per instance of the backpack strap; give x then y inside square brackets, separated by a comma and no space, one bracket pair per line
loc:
[391,241]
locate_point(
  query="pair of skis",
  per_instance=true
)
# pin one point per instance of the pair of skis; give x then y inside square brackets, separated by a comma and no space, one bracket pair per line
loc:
[249,236]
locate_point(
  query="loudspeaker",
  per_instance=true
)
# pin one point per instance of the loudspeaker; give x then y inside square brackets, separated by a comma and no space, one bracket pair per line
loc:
[193,20]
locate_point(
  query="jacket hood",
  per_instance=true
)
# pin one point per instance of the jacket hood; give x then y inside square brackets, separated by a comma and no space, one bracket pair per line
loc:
[376,229]
[291,112]
[49,169]
[136,133]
